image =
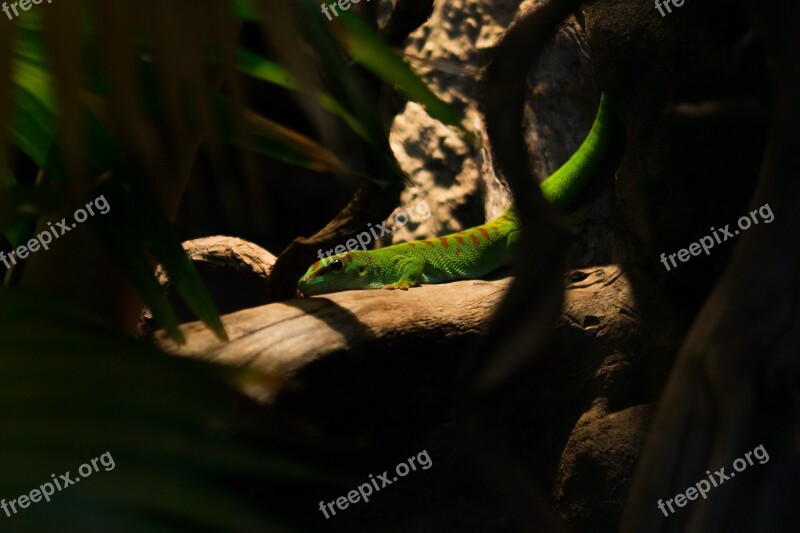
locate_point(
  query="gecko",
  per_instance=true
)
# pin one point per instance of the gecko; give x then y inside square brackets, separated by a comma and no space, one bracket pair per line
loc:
[468,254]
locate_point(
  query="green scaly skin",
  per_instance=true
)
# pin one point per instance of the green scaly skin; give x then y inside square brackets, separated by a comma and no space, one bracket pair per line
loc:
[468,254]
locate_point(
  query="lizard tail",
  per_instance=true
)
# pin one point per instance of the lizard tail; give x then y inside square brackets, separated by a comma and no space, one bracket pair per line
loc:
[564,185]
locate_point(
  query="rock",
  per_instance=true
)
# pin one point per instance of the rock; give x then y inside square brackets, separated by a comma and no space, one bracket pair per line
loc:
[457,180]
[597,466]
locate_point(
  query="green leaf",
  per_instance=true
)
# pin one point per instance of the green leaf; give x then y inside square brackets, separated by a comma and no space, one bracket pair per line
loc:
[263,69]
[277,141]
[119,240]
[186,447]
[32,127]
[364,46]
[33,131]
[139,206]
[246,11]
[23,203]
[265,137]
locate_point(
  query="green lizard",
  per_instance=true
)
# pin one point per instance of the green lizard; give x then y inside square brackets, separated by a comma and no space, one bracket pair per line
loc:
[468,254]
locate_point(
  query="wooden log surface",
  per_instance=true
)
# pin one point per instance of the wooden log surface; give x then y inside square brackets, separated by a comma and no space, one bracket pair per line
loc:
[283,337]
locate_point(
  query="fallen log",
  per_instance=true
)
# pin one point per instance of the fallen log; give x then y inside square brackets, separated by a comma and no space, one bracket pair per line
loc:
[279,339]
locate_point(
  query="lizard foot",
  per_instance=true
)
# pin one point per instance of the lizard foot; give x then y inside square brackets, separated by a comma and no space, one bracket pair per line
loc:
[402,285]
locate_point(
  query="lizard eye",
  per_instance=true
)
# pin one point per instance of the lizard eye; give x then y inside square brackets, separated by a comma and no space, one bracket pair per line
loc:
[337,265]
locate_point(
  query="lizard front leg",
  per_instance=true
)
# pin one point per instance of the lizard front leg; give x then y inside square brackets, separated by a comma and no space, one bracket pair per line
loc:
[408,272]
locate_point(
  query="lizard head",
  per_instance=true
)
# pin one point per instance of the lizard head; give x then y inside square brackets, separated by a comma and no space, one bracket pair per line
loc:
[342,272]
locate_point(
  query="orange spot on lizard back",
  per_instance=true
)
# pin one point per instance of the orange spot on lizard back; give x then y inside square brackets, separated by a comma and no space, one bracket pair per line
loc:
[483,231]
[474,239]
[429,243]
[459,240]
[411,244]
[444,242]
